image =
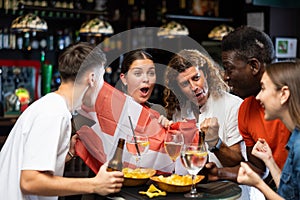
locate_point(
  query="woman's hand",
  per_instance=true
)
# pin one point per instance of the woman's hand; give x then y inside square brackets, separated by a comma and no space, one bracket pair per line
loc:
[164,121]
[262,150]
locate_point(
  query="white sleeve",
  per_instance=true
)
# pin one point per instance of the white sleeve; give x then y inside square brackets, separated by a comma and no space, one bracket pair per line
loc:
[42,144]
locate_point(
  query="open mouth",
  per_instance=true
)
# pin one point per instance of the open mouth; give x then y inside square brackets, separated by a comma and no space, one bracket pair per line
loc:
[199,94]
[144,90]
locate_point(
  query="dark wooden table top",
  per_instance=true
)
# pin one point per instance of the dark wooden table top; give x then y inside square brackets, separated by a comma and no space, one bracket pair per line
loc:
[211,191]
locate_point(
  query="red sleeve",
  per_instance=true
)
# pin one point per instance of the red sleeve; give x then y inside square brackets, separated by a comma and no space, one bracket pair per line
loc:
[244,122]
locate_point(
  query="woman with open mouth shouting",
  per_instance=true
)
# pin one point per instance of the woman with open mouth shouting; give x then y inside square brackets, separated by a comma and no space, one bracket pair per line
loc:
[138,78]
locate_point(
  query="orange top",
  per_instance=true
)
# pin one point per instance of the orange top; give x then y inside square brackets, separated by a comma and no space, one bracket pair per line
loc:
[252,126]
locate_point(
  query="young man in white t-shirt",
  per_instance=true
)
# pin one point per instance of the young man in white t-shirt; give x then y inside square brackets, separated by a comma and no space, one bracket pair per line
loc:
[32,159]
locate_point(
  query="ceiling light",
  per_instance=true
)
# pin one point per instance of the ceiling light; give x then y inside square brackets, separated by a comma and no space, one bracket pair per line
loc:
[218,32]
[172,29]
[96,27]
[29,23]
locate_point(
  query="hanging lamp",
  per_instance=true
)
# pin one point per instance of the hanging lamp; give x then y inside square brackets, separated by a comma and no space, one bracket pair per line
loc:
[96,27]
[218,32]
[29,23]
[172,29]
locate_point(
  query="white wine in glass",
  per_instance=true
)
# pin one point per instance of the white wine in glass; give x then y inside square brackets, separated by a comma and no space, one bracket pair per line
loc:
[173,143]
[137,146]
[193,158]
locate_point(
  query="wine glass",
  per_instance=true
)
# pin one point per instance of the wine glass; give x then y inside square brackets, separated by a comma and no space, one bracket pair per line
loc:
[137,145]
[193,158]
[173,143]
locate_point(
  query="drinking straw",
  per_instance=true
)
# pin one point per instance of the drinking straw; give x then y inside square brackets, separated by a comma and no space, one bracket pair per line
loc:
[136,144]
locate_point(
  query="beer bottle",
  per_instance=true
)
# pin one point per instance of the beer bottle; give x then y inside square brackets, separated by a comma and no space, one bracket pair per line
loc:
[116,164]
[201,138]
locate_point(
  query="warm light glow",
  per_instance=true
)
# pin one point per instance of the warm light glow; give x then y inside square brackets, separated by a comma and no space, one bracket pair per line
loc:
[96,27]
[172,29]
[218,32]
[29,23]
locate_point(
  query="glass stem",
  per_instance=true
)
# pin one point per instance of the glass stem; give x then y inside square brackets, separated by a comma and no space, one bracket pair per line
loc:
[193,189]
[173,172]
[138,159]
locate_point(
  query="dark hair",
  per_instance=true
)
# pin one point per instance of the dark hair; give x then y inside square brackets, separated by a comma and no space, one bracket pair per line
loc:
[248,42]
[287,74]
[78,58]
[130,57]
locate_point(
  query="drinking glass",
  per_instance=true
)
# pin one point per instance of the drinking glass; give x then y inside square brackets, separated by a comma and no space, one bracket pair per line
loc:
[137,145]
[173,143]
[193,157]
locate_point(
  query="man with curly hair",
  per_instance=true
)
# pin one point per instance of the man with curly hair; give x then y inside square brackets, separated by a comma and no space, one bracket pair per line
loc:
[196,90]
[194,86]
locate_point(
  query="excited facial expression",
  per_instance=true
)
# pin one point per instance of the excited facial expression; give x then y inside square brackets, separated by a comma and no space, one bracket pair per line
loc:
[239,76]
[269,97]
[194,85]
[140,80]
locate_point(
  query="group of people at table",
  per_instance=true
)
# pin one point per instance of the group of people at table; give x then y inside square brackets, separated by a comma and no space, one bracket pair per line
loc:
[250,113]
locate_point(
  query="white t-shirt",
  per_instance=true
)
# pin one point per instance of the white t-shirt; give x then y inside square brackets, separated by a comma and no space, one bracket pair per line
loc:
[225,109]
[40,141]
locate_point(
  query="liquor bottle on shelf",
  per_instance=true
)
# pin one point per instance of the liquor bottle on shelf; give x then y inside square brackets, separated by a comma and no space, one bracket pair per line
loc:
[43,3]
[182,4]
[12,40]
[71,7]
[60,40]
[135,14]
[47,69]
[19,41]
[59,5]
[100,5]
[163,11]
[34,40]
[5,39]
[68,38]
[42,57]
[26,43]
[50,42]
[142,19]
[116,164]
[1,38]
